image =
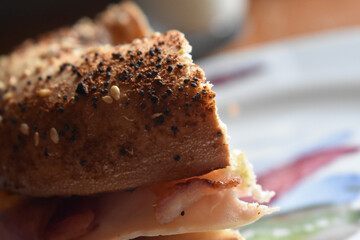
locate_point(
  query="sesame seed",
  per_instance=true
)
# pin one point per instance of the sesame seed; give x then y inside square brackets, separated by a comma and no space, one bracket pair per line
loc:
[159,58]
[132,64]
[193,84]
[148,74]
[85,80]
[121,58]
[109,68]
[139,53]
[177,158]
[48,77]
[127,102]
[81,89]
[179,66]
[155,72]
[107,99]
[104,90]
[24,129]
[35,127]
[152,91]
[93,89]
[154,99]
[108,74]
[188,105]
[181,88]
[122,151]
[159,82]
[195,79]
[82,163]
[174,129]
[182,213]
[100,64]
[106,83]
[219,134]
[142,92]
[137,66]
[96,54]
[168,60]
[170,68]
[44,92]
[169,91]
[186,80]
[54,136]
[94,99]
[61,110]
[115,92]
[46,153]
[36,139]
[139,75]
[167,112]
[40,78]
[116,55]
[164,95]
[87,59]
[159,120]
[152,53]
[101,70]
[196,97]
[204,92]
[158,65]
[28,83]
[132,56]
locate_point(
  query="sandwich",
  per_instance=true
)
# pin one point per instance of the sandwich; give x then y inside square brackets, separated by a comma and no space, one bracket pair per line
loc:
[111,142]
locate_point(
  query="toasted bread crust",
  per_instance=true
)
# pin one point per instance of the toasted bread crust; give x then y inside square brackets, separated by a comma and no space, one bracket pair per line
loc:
[73,133]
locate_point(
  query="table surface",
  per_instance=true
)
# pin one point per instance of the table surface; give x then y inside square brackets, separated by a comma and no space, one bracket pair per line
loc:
[273,20]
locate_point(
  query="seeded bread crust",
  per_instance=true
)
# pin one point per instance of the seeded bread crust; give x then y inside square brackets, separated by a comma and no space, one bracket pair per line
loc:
[109,118]
[119,23]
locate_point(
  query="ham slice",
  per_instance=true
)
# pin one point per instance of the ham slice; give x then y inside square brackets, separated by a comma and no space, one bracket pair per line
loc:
[200,204]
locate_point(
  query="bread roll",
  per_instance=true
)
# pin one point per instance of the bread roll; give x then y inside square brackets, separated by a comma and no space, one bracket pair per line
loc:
[108,118]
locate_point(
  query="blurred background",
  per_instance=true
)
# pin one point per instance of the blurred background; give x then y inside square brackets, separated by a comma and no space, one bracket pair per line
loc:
[258,21]
[287,77]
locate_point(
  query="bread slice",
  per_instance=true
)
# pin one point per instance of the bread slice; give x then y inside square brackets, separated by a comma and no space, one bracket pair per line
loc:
[104,118]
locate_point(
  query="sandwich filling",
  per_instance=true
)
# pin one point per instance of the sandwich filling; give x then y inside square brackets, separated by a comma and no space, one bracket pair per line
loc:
[206,203]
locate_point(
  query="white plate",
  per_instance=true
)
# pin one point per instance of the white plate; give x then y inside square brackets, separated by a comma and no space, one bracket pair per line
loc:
[294,97]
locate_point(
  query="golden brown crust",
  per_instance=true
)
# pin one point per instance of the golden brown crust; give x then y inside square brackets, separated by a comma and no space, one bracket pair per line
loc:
[70,133]
[117,19]
[119,23]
